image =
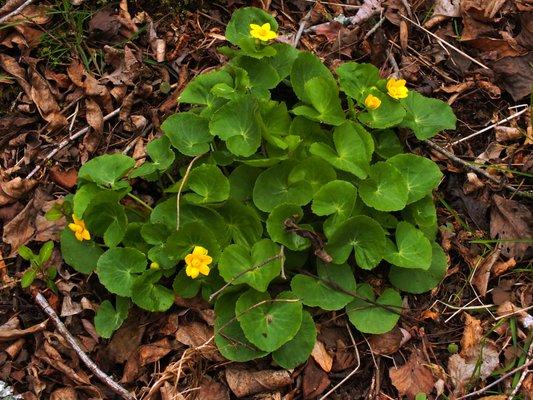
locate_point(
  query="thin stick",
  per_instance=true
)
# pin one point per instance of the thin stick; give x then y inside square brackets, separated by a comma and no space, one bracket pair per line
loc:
[524,373]
[301,28]
[16,11]
[67,141]
[454,158]
[375,28]
[445,42]
[178,196]
[106,379]
[513,116]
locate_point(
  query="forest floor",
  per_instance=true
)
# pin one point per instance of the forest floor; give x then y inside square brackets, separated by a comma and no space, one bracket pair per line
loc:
[79,78]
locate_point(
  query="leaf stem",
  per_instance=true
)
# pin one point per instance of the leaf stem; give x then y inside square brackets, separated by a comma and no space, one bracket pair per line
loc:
[141,202]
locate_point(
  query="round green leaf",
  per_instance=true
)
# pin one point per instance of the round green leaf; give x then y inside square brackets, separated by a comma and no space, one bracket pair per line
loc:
[242,222]
[154,233]
[191,234]
[240,130]
[306,67]
[106,170]
[161,155]
[82,256]
[149,295]
[198,90]
[208,184]
[241,181]
[261,74]
[267,323]
[229,336]
[421,174]
[272,187]
[106,219]
[385,189]
[418,280]
[186,287]
[427,116]
[257,267]
[284,58]
[424,214]
[387,143]
[378,316]
[314,170]
[325,292]
[335,196]
[362,234]
[355,79]
[277,230]
[390,113]
[107,320]
[299,348]
[188,133]
[117,269]
[412,250]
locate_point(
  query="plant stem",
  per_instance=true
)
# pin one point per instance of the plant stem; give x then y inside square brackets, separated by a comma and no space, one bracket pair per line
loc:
[138,200]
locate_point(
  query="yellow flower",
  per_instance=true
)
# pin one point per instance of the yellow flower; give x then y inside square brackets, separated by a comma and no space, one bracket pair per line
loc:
[197,262]
[372,102]
[79,229]
[154,265]
[262,32]
[396,88]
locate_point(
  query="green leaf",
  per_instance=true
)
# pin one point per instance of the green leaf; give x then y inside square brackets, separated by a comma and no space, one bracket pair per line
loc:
[266,323]
[390,113]
[426,116]
[188,133]
[192,234]
[198,91]
[277,229]
[299,348]
[148,294]
[335,196]
[255,268]
[306,67]
[208,184]
[419,280]
[107,320]
[314,170]
[240,130]
[376,318]
[161,155]
[283,60]
[272,187]
[421,174]
[106,170]
[241,182]
[229,336]
[107,219]
[82,256]
[387,143]
[117,269]
[412,250]
[89,191]
[424,214]
[385,189]
[186,287]
[26,253]
[353,149]
[323,94]
[363,235]
[45,252]
[28,277]
[355,79]
[276,123]
[238,31]
[154,233]
[242,222]
[326,292]
[262,75]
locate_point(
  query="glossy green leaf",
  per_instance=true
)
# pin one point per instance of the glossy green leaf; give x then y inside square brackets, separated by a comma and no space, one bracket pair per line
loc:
[335,196]
[355,79]
[117,269]
[299,348]
[82,256]
[306,67]
[208,184]
[314,170]
[390,112]
[108,319]
[188,132]
[242,222]
[277,230]
[149,295]
[412,250]
[387,143]
[106,170]
[385,189]
[184,286]
[198,90]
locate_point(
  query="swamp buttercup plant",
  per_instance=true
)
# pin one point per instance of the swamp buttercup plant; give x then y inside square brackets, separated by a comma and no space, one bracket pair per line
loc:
[281,183]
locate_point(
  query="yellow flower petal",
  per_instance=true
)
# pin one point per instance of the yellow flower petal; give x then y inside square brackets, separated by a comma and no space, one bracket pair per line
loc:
[79,236]
[204,270]
[266,26]
[255,27]
[199,250]
[85,234]
[372,102]
[192,272]
[74,228]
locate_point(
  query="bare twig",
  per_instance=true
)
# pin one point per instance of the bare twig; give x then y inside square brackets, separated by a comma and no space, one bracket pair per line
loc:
[106,379]
[301,28]
[67,141]
[178,196]
[524,372]
[16,11]
[375,28]
[513,116]
[12,334]
[443,42]
[454,158]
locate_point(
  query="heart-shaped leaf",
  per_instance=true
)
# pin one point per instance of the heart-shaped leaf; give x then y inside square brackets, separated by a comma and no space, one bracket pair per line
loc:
[82,256]
[335,196]
[108,319]
[107,219]
[106,170]
[256,268]
[208,184]
[242,222]
[198,90]
[307,66]
[355,79]
[117,269]
[412,250]
[387,143]
[299,348]
[385,189]
[314,170]
[375,316]
[149,295]
[269,323]
[188,132]
[277,230]
[389,113]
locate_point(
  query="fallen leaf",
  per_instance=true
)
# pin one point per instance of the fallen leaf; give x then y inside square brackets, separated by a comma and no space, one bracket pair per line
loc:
[150,353]
[66,179]
[321,356]
[126,339]
[195,334]
[386,343]
[105,24]
[212,390]
[158,45]
[413,377]
[481,276]
[482,363]
[46,230]
[170,392]
[472,334]
[448,8]
[43,98]
[66,393]
[14,189]
[507,309]
[246,383]
[502,267]
[511,220]
[12,67]
[315,380]
[515,75]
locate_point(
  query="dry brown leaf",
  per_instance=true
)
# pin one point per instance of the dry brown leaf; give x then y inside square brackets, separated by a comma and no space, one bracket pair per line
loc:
[128,66]
[472,334]
[245,382]
[503,266]
[482,363]
[14,189]
[10,330]
[12,67]
[386,343]
[212,390]
[43,98]
[511,220]
[515,75]
[158,45]
[315,380]
[126,339]
[507,133]
[413,377]
[507,309]
[527,385]
[48,230]
[447,8]
[104,23]
[482,274]
[150,353]
[170,392]
[321,356]
[66,393]
[66,179]
[196,334]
